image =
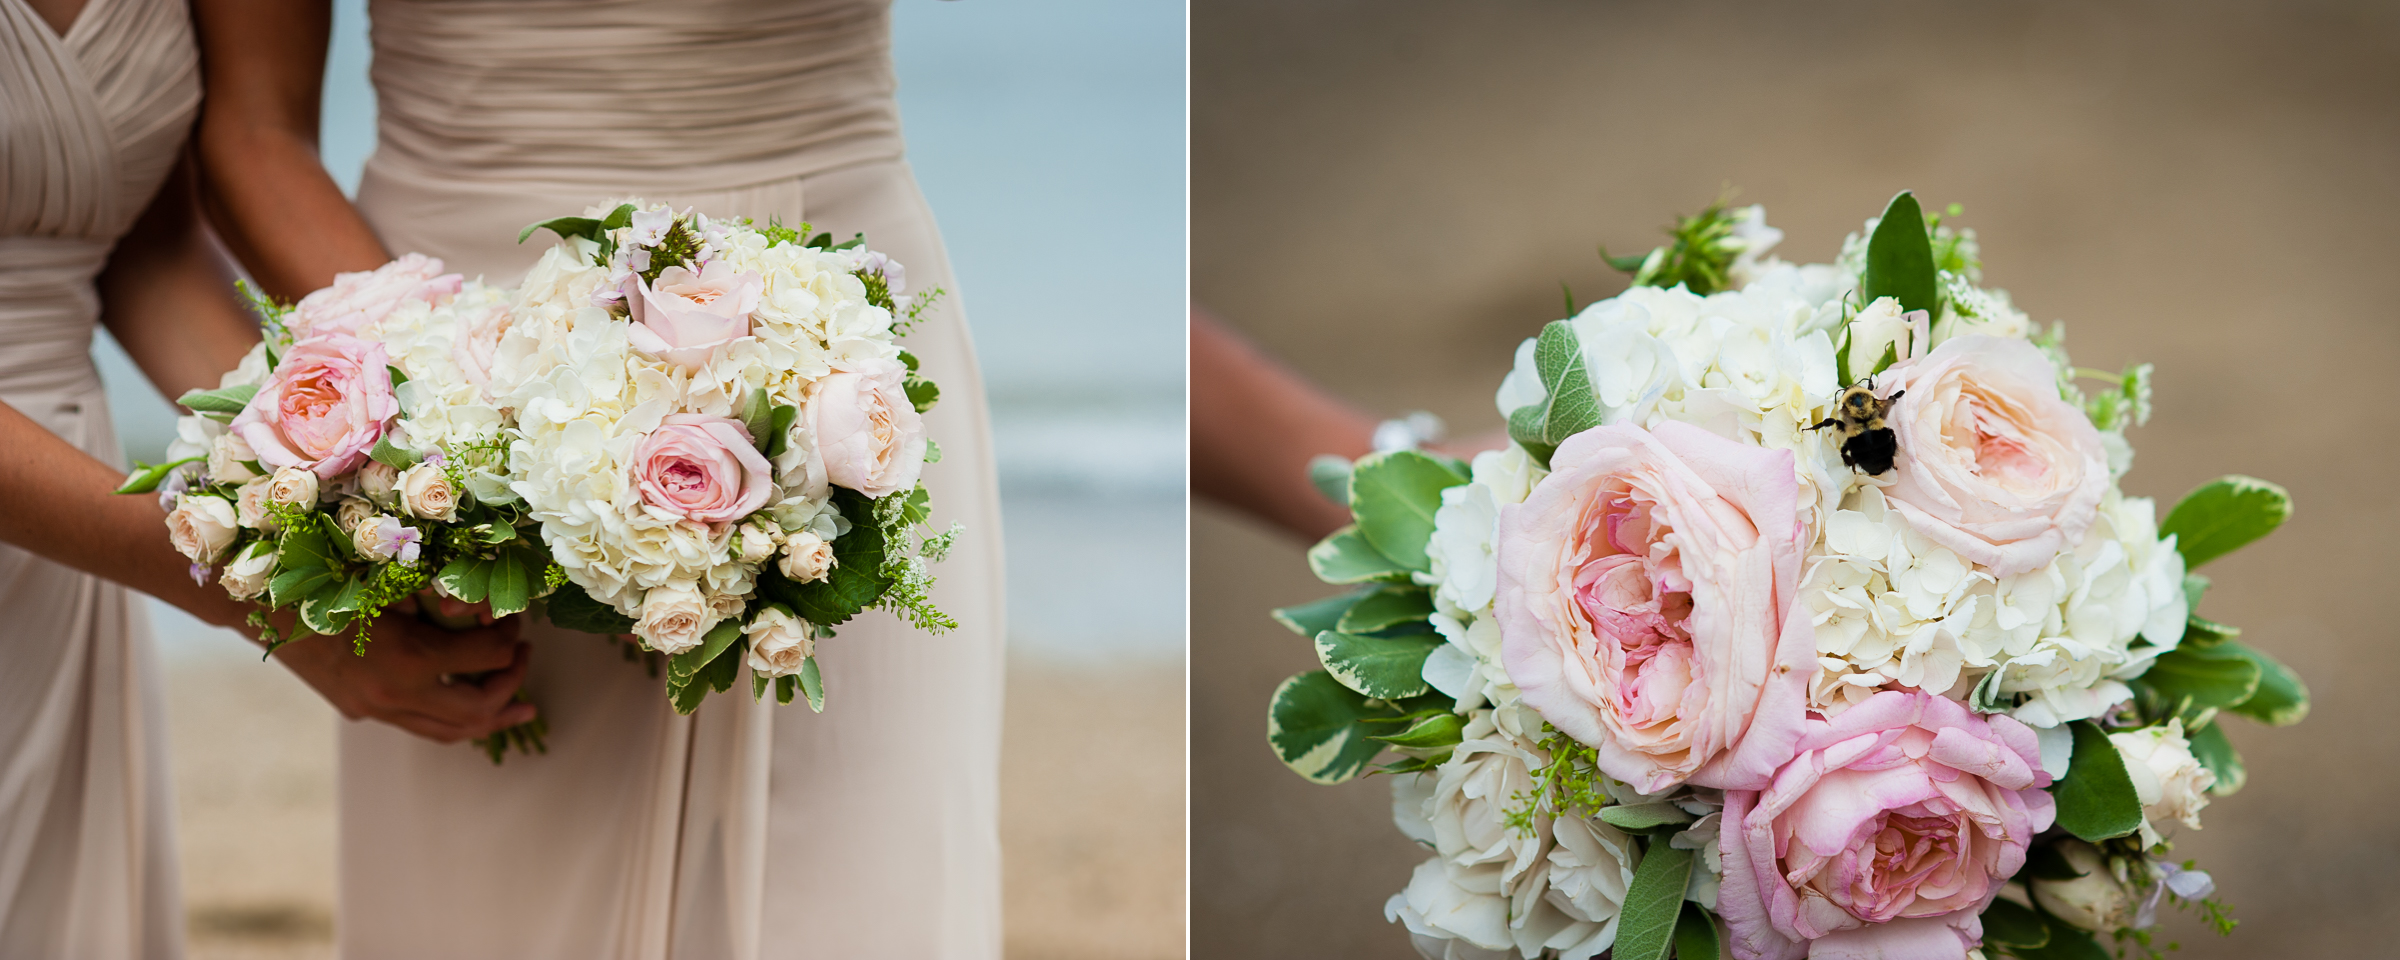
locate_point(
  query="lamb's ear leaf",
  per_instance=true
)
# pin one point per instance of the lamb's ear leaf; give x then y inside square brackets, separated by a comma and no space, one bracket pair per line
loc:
[1568,406]
[226,400]
[1696,934]
[146,477]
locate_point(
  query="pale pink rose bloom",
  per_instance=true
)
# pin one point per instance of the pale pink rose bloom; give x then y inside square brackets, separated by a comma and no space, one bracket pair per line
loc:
[685,315]
[1993,465]
[703,468]
[1886,836]
[478,341]
[324,407]
[868,436]
[358,299]
[1646,604]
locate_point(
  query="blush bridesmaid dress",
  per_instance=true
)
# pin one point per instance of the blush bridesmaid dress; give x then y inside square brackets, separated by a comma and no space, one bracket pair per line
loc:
[746,830]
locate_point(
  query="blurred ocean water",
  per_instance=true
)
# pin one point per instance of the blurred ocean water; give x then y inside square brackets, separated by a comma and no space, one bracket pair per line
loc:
[1049,137]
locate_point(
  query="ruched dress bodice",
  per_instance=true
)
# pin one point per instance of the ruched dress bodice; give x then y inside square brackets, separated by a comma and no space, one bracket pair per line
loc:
[746,831]
[90,124]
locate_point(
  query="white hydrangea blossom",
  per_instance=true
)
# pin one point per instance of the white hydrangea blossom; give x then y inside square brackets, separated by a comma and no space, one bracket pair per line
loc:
[583,398]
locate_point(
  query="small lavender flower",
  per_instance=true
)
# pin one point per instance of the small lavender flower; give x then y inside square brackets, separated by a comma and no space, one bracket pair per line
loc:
[200,573]
[650,227]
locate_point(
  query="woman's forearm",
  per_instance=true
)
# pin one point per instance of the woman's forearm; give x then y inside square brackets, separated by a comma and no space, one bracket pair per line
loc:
[60,506]
[1255,426]
[266,191]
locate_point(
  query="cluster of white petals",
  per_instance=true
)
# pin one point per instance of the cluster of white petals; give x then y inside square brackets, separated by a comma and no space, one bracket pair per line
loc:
[585,395]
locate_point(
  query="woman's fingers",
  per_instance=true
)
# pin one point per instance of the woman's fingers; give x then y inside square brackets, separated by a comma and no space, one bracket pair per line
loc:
[467,651]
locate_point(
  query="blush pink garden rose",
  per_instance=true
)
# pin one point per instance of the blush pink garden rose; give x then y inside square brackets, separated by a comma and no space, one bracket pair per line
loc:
[323,408]
[1993,465]
[701,468]
[1646,604]
[685,315]
[1885,837]
[868,435]
[358,299]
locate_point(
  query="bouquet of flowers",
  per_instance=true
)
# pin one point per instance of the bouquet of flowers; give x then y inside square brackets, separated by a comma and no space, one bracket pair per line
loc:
[352,462]
[719,440]
[1802,616]
[699,432]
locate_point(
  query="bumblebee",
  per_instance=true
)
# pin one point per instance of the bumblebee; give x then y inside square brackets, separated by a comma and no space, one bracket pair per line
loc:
[1867,443]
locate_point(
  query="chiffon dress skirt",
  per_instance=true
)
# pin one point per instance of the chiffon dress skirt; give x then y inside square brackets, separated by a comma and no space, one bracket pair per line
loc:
[90,124]
[747,829]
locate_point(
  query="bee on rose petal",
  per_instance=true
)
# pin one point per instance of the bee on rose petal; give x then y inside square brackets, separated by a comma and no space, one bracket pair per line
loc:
[1867,442]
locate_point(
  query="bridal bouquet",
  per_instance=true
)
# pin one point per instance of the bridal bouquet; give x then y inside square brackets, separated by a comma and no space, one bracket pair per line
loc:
[719,440]
[351,461]
[1803,616]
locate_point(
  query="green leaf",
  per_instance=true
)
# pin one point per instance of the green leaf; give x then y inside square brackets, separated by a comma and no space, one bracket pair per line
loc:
[1900,258]
[1653,903]
[1569,406]
[1695,934]
[788,687]
[758,417]
[1384,668]
[2096,799]
[779,429]
[1432,731]
[1891,355]
[2062,941]
[856,580]
[1310,619]
[145,477]
[570,607]
[585,227]
[393,455]
[1331,476]
[922,393]
[812,683]
[1386,608]
[346,598]
[1347,557]
[2211,676]
[1644,817]
[467,578]
[227,400]
[2281,699]
[2194,586]
[1394,495]
[2044,862]
[2013,926]
[513,576]
[1316,726]
[2224,515]
[2203,633]
[694,673]
[2216,753]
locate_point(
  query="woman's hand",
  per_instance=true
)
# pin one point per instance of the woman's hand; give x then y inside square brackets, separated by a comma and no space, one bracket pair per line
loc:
[415,676]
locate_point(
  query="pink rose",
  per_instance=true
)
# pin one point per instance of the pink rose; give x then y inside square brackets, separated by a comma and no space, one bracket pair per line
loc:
[685,315]
[703,468]
[868,435]
[477,341]
[1646,604]
[1993,465]
[323,408]
[1886,837]
[358,299]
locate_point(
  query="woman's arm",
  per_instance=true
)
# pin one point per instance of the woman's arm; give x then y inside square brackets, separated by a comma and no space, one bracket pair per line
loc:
[267,194]
[1255,426]
[166,297]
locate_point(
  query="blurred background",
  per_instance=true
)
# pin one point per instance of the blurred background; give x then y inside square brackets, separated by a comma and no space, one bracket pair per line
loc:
[1388,194]
[1049,137]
